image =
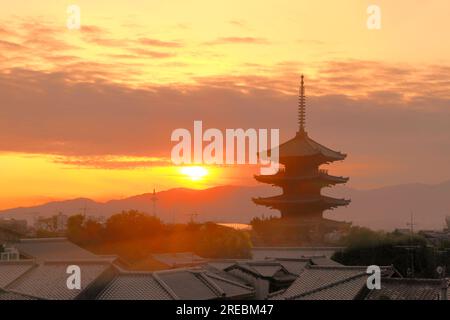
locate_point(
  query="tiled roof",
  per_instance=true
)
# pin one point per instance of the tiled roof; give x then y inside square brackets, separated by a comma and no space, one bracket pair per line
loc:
[221,265]
[52,249]
[410,289]
[294,266]
[260,253]
[8,295]
[322,261]
[329,278]
[134,286]
[265,269]
[11,270]
[212,269]
[347,289]
[302,145]
[48,280]
[186,284]
[179,258]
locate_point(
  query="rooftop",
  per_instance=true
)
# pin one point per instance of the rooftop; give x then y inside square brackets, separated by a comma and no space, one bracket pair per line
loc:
[187,284]
[303,146]
[410,289]
[328,281]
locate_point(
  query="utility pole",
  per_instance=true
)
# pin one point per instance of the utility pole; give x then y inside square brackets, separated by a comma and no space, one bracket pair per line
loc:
[84,209]
[411,248]
[193,216]
[154,200]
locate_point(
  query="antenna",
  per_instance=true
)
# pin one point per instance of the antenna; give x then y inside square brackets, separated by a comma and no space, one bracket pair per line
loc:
[193,216]
[411,248]
[411,224]
[84,209]
[301,107]
[154,200]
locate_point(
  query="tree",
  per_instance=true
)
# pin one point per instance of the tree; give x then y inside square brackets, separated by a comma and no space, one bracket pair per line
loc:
[214,241]
[132,225]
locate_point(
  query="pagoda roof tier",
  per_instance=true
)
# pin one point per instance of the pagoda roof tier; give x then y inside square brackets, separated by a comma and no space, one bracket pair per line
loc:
[303,146]
[282,178]
[283,200]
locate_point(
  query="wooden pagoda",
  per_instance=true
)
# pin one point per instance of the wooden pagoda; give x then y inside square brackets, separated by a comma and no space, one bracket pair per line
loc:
[301,180]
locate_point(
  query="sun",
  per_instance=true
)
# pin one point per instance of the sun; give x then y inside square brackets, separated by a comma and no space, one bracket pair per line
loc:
[195,173]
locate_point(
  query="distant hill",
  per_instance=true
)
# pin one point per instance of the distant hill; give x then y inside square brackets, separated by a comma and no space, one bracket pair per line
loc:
[382,208]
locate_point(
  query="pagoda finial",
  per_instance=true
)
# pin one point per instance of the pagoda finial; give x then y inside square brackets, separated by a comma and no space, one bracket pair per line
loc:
[301,107]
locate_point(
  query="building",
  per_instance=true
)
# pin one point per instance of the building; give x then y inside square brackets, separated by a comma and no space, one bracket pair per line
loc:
[178,259]
[39,272]
[56,223]
[259,253]
[301,204]
[175,284]
[410,289]
[330,283]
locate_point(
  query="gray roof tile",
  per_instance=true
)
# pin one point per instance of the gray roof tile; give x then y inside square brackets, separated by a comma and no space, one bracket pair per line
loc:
[48,280]
[260,253]
[409,289]
[330,278]
[134,287]
[11,270]
[52,249]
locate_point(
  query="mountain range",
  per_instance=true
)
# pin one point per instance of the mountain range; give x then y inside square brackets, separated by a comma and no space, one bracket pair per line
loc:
[382,208]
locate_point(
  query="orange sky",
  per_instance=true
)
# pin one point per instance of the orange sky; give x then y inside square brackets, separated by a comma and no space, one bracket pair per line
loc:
[89,112]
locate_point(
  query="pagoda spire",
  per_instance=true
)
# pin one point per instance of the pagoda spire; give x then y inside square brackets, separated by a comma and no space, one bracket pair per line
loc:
[301,107]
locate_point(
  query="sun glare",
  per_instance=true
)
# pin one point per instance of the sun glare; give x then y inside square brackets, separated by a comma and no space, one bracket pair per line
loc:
[194,173]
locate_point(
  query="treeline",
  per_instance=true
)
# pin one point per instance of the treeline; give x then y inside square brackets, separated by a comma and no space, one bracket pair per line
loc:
[134,236]
[411,254]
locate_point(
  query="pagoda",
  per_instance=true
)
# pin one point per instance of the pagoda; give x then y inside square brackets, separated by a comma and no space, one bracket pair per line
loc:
[301,179]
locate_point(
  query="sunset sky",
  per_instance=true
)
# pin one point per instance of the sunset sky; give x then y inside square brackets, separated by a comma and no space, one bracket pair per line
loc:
[89,112]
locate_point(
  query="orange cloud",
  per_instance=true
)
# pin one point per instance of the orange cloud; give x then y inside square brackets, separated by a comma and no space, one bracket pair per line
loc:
[239,40]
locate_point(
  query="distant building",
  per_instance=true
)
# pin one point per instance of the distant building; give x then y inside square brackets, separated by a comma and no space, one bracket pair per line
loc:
[259,253]
[56,223]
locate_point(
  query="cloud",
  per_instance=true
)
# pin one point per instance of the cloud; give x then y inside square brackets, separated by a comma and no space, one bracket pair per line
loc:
[387,114]
[144,53]
[238,40]
[7,45]
[158,43]
[110,162]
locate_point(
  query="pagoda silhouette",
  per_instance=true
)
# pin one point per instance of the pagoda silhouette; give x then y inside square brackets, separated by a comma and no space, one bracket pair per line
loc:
[301,203]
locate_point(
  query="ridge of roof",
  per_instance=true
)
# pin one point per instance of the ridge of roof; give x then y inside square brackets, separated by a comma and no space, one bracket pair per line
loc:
[330,285]
[215,276]
[28,240]
[209,283]
[298,248]
[21,294]
[78,260]
[248,267]
[165,286]
[20,261]
[23,275]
